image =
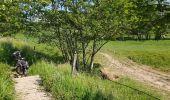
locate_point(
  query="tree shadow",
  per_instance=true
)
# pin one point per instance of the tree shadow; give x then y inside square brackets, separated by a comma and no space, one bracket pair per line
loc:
[98,95]
[31,55]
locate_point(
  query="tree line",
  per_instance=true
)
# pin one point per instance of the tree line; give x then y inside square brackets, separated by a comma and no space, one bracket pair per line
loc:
[80,28]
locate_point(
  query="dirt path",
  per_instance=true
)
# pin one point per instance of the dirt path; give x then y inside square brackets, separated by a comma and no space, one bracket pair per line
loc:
[28,88]
[138,72]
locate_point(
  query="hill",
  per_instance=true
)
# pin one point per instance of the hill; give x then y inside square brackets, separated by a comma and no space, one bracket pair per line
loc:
[57,78]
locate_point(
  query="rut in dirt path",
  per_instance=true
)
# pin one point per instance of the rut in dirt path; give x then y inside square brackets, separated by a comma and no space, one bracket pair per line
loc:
[138,72]
[28,88]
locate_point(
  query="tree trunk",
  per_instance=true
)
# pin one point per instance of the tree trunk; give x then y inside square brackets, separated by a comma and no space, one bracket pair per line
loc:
[74,64]
[147,36]
[92,62]
[77,63]
[93,54]
[62,46]
[83,49]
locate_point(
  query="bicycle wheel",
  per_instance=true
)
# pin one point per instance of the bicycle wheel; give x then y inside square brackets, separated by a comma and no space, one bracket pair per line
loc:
[19,70]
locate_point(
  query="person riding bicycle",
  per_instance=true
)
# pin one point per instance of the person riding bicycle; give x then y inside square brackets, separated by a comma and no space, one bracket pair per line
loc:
[21,65]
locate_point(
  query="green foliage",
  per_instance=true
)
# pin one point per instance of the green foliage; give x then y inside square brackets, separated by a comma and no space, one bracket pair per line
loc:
[79,23]
[144,18]
[9,16]
[64,86]
[6,83]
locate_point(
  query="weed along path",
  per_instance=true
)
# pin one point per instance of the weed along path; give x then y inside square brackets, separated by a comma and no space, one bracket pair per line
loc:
[28,88]
[138,72]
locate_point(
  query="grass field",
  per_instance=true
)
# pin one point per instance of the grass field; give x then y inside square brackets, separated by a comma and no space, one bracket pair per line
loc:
[58,80]
[153,53]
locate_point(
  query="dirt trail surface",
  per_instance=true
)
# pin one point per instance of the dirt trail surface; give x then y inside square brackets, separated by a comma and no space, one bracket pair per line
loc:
[138,72]
[28,88]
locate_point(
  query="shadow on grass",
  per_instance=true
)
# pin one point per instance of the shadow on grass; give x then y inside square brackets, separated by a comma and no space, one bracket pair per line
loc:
[31,55]
[98,95]
[137,90]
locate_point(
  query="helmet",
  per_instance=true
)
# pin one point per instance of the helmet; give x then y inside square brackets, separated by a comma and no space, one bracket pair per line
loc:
[22,58]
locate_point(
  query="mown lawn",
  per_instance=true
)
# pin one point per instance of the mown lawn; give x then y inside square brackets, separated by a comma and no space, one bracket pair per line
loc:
[153,53]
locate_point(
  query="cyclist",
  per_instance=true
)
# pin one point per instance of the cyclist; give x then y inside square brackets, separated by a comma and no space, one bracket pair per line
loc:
[21,65]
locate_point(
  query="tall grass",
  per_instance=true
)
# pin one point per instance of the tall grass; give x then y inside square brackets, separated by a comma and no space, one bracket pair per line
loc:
[6,83]
[153,53]
[64,86]
[31,51]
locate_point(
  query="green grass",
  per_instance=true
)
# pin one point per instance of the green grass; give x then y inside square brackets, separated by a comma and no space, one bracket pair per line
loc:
[57,78]
[30,50]
[153,53]
[7,47]
[64,86]
[6,84]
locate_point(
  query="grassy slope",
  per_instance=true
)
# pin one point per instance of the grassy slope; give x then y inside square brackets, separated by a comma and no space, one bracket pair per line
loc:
[64,86]
[7,47]
[31,50]
[153,53]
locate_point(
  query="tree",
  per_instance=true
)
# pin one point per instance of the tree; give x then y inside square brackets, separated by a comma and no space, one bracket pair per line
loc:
[140,16]
[81,28]
[145,18]
[9,17]
[162,21]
